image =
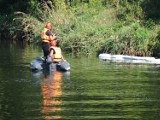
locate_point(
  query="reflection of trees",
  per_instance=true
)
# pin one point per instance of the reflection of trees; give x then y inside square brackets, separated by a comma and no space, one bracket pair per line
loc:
[52,91]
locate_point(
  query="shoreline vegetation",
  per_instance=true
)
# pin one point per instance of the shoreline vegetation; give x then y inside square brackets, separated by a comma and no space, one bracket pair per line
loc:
[88,26]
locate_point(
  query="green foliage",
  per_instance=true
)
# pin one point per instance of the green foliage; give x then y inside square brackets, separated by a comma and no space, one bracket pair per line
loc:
[130,11]
[132,39]
[88,26]
[84,33]
[156,37]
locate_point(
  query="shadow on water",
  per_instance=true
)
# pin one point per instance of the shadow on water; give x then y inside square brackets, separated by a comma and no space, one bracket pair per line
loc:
[92,89]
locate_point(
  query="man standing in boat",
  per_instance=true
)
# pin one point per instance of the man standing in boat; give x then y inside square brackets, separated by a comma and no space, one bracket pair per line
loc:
[47,37]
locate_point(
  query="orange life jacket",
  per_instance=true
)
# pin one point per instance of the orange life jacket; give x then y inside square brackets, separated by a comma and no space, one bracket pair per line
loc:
[44,37]
[57,56]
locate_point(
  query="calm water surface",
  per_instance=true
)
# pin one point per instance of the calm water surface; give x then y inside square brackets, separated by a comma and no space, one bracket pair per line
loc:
[93,89]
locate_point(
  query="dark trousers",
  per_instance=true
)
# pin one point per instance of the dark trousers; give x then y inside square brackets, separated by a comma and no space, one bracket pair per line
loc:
[45,47]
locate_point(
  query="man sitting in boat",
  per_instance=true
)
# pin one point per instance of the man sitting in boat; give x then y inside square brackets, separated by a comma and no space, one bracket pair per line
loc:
[55,52]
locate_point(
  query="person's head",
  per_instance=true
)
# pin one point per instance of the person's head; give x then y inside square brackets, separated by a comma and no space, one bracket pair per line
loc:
[49,26]
[53,43]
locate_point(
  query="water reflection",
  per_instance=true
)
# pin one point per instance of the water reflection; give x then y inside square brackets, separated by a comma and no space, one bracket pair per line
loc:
[95,90]
[52,91]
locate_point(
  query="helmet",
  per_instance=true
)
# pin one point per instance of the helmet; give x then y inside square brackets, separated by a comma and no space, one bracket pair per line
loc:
[48,25]
[53,43]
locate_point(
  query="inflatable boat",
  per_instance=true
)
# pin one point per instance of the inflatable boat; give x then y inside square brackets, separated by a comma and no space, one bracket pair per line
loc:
[39,64]
[127,58]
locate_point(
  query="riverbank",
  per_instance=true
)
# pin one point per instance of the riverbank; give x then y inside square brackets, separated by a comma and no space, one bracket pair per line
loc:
[112,28]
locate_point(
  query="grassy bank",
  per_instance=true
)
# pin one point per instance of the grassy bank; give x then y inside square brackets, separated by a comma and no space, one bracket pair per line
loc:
[91,28]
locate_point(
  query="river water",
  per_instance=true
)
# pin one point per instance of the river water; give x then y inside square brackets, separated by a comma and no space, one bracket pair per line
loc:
[91,90]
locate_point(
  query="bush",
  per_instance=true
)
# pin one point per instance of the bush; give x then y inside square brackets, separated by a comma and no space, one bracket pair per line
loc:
[130,39]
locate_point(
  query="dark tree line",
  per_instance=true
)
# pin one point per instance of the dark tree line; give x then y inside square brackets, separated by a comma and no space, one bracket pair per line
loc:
[10,6]
[151,7]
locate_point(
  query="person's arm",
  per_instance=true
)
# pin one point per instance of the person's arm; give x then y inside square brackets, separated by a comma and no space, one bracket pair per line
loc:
[50,56]
[51,36]
[51,52]
[63,58]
